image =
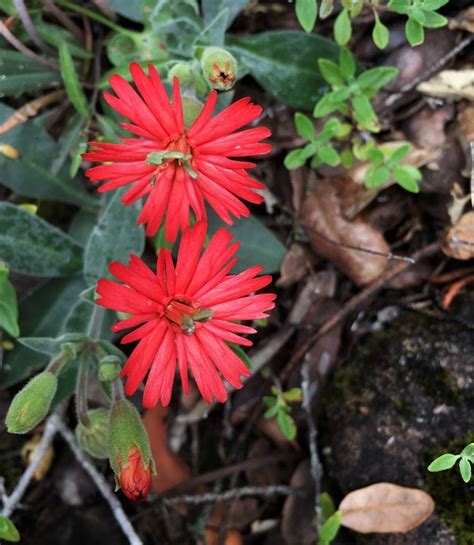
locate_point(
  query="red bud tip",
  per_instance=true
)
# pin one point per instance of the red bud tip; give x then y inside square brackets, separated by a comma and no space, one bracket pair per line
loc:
[135,478]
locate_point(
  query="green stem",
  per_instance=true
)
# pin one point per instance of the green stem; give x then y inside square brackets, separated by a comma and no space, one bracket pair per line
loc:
[56,363]
[117,389]
[96,17]
[81,389]
[95,324]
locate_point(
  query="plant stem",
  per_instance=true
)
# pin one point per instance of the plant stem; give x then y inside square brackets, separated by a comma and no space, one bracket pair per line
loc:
[81,388]
[101,484]
[96,17]
[12,501]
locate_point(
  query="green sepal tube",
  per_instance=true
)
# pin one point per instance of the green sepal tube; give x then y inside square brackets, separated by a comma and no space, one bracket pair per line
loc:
[32,403]
[109,368]
[183,72]
[127,432]
[219,68]
[93,437]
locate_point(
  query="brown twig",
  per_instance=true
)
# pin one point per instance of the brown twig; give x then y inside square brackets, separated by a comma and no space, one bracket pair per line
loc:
[30,27]
[15,42]
[235,493]
[392,99]
[251,463]
[64,19]
[353,304]
[30,109]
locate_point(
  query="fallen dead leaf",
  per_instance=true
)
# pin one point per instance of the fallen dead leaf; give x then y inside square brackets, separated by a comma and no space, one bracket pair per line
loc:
[463,21]
[28,453]
[385,508]
[454,84]
[330,233]
[171,470]
[298,525]
[466,122]
[232,537]
[296,263]
[460,238]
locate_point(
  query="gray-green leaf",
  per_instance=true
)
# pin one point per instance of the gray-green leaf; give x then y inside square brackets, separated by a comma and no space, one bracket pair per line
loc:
[115,236]
[30,245]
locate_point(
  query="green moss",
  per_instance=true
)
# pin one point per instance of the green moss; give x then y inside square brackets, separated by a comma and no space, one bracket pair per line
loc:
[404,406]
[437,384]
[453,497]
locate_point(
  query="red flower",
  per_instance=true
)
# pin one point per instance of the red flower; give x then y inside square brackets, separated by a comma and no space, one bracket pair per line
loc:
[178,167]
[188,312]
[135,478]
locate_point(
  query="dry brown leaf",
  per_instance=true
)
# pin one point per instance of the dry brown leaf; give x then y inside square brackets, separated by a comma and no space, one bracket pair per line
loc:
[296,264]
[385,508]
[171,469]
[463,21]
[232,537]
[28,453]
[298,521]
[454,84]
[323,216]
[460,238]
[466,122]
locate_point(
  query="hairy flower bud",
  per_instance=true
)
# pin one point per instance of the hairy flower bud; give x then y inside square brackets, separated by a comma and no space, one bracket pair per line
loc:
[109,368]
[93,437]
[183,72]
[219,67]
[129,451]
[31,404]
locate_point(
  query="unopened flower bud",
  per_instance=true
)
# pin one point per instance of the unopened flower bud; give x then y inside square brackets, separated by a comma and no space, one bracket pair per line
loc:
[31,404]
[135,476]
[183,72]
[93,437]
[219,67]
[109,368]
[129,451]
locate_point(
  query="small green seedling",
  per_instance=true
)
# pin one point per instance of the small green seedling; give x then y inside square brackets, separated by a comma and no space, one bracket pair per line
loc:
[279,407]
[448,461]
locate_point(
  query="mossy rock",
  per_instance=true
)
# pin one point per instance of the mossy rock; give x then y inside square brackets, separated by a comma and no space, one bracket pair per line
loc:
[406,392]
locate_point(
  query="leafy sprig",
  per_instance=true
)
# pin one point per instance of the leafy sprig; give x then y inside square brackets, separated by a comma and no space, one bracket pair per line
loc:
[448,461]
[279,407]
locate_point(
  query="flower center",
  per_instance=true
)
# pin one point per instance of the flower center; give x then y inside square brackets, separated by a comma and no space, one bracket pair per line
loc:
[178,150]
[185,313]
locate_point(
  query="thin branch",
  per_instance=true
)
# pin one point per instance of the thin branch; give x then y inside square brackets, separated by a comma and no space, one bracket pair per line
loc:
[259,491]
[390,256]
[15,497]
[353,304]
[30,27]
[100,482]
[64,18]
[15,42]
[316,467]
[392,99]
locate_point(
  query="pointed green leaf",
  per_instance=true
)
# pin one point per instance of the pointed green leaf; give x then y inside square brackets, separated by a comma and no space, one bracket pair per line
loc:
[307,12]
[71,81]
[304,126]
[343,28]
[8,530]
[465,469]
